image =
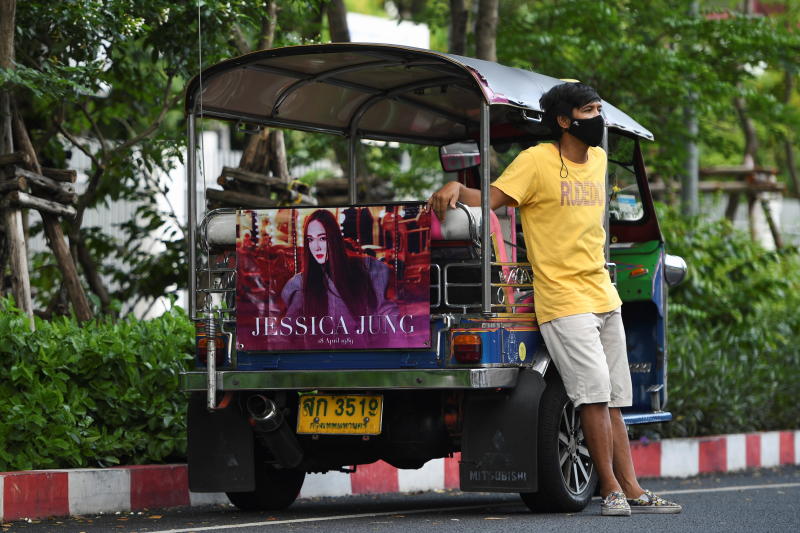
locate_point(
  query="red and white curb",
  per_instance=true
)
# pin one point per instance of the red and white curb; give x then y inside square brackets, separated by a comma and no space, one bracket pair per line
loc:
[42,493]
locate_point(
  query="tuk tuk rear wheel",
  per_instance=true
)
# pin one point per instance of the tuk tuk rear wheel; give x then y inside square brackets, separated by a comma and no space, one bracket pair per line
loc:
[275,490]
[567,477]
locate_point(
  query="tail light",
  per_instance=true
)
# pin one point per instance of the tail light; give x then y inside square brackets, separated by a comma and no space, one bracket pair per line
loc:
[201,346]
[467,348]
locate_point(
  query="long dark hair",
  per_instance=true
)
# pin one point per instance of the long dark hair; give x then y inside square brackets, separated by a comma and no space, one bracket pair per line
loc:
[348,273]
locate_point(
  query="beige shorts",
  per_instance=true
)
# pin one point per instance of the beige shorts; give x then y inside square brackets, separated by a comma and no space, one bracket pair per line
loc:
[590,354]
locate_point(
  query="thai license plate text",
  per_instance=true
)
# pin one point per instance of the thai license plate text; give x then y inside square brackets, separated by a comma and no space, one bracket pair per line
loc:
[340,414]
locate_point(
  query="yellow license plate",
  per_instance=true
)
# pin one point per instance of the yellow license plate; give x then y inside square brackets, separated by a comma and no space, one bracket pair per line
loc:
[340,414]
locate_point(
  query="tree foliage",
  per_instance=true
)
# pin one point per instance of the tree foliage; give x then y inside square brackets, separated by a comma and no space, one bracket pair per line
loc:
[651,58]
[106,78]
[734,361]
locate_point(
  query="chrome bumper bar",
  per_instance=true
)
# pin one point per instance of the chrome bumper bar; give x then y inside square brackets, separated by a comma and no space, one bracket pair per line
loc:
[457,378]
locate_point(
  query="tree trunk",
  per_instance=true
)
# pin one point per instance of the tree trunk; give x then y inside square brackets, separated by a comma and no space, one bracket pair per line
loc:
[8,9]
[409,9]
[278,162]
[486,30]
[732,207]
[6,132]
[239,41]
[690,198]
[266,150]
[791,166]
[312,30]
[52,227]
[788,146]
[268,24]
[12,217]
[256,154]
[773,226]
[7,24]
[750,158]
[337,22]
[88,265]
[458,27]
[92,275]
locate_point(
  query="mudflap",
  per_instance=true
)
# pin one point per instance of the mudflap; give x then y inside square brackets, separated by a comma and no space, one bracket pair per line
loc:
[220,448]
[499,443]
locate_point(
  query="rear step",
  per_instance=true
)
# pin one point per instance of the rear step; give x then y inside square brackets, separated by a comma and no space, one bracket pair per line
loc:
[646,417]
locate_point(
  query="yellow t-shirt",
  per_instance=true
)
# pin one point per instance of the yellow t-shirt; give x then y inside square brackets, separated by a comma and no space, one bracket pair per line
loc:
[562,220]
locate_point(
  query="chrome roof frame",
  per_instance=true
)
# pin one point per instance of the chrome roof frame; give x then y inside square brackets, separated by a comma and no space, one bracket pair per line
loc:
[497,84]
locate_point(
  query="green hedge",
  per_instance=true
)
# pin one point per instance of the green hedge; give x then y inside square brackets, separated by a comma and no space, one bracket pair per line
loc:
[98,395]
[734,332]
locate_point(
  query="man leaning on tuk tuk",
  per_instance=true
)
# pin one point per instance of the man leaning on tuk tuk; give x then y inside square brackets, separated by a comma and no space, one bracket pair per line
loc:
[577,307]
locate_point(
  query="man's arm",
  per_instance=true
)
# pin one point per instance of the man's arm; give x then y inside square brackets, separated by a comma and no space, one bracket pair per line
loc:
[453,192]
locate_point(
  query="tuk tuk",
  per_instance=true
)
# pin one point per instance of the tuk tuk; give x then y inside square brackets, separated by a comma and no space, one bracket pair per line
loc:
[430,347]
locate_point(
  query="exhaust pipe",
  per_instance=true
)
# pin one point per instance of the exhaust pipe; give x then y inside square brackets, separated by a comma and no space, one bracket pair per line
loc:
[271,428]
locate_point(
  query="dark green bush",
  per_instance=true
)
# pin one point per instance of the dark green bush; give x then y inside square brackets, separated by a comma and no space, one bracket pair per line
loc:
[734,332]
[95,395]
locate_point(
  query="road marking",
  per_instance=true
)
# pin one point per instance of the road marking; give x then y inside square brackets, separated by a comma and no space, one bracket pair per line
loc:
[730,489]
[340,517]
[454,508]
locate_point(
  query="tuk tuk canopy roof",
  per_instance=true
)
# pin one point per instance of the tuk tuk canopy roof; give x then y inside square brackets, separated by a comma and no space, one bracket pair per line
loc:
[379,91]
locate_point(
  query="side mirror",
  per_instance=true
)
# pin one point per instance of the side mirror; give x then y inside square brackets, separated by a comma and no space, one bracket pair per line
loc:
[460,155]
[674,270]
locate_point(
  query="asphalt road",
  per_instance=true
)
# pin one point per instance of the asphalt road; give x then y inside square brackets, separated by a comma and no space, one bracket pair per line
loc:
[765,500]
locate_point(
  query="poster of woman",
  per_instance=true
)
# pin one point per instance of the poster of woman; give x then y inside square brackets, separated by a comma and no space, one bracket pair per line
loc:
[348,278]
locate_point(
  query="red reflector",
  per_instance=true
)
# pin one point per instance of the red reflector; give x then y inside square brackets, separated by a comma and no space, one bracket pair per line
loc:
[467,348]
[638,272]
[202,349]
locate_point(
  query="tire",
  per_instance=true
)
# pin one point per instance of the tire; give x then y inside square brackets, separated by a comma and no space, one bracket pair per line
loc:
[567,477]
[275,490]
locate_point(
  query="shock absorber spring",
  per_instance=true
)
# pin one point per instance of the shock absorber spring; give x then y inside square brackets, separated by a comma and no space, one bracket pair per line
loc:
[211,360]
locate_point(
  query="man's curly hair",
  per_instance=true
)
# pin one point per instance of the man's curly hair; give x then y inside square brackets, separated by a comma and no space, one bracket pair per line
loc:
[561,100]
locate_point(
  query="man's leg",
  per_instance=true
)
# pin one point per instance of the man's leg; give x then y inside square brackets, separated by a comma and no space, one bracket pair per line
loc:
[623,460]
[612,335]
[577,351]
[640,501]
[598,430]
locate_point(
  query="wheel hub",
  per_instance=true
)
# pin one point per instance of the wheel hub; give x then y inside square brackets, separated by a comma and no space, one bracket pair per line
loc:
[576,466]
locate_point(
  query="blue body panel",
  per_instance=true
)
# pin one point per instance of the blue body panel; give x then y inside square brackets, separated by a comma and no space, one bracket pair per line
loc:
[337,360]
[510,342]
[504,343]
[642,325]
[645,328]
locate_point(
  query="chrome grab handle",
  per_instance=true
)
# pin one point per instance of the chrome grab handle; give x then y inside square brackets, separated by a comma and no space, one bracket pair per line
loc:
[473,224]
[438,285]
[612,272]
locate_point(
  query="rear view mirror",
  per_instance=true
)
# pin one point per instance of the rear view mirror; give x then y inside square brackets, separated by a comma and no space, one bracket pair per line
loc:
[460,155]
[675,270]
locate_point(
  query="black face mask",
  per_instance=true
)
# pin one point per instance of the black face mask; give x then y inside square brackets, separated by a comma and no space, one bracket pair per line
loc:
[588,130]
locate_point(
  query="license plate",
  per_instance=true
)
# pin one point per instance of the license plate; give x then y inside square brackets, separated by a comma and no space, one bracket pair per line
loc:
[340,414]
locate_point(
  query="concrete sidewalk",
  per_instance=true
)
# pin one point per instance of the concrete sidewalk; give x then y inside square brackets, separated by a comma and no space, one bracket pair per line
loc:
[41,493]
